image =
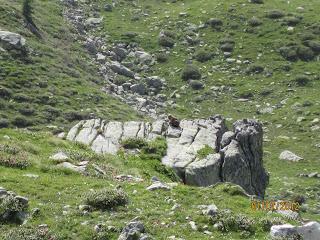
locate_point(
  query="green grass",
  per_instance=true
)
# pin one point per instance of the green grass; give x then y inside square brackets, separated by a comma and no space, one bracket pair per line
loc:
[58,84]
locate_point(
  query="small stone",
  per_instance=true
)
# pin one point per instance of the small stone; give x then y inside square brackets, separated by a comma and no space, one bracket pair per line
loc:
[193,226]
[158,186]
[59,156]
[289,156]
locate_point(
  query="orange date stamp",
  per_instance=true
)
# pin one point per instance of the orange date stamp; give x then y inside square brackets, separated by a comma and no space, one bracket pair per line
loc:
[265,205]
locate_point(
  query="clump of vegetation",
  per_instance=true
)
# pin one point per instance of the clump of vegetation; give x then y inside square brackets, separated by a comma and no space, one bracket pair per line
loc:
[155,149]
[314,45]
[254,69]
[301,80]
[4,123]
[162,57]
[257,1]
[30,233]
[292,20]
[120,79]
[215,23]
[105,199]
[11,156]
[254,22]
[21,122]
[9,207]
[227,44]
[227,222]
[203,56]
[196,85]
[305,53]
[167,39]
[275,14]
[191,72]
[204,152]
[289,52]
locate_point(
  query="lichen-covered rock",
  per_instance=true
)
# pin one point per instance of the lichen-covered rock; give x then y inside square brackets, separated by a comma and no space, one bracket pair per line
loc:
[133,231]
[10,40]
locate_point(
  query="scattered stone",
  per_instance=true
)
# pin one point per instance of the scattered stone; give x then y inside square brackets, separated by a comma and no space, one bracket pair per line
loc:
[29,175]
[283,231]
[70,166]
[93,22]
[289,156]
[128,178]
[59,156]
[133,230]
[122,70]
[193,226]
[139,88]
[158,186]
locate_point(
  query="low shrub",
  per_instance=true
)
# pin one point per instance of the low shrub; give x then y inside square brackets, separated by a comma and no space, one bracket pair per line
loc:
[230,222]
[133,143]
[203,56]
[289,53]
[205,151]
[30,233]
[20,97]
[301,80]
[5,92]
[4,123]
[196,85]
[305,53]
[275,14]
[292,20]
[254,69]
[162,57]
[166,41]
[191,72]
[105,199]
[254,22]
[74,116]
[215,23]
[155,149]
[21,122]
[257,1]
[9,206]
[314,45]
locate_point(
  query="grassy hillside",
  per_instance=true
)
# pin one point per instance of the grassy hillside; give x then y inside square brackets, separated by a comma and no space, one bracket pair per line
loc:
[272,74]
[56,84]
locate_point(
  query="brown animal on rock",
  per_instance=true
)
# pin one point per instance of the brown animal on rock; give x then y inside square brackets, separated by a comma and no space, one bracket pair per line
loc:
[173,122]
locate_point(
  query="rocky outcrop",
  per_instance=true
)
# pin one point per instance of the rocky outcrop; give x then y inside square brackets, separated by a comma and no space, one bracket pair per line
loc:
[238,157]
[12,41]
[308,231]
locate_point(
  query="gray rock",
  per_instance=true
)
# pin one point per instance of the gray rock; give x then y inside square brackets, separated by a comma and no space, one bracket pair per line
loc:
[242,163]
[204,172]
[210,210]
[10,40]
[139,88]
[92,22]
[227,137]
[133,231]
[289,156]
[283,231]
[155,82]
[309,231]
[122,70]
[120,53]
[59,156]
[143,57]
[158,186]
[70,166]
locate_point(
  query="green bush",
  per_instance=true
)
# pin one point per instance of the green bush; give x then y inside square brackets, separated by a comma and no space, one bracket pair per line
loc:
[119,80]
[305,53]
[162,57]
[166,41]
[4,123]
[257,1]
[205,151]
[26,110]
[9,206]
[29,233]
[191,72]
[292,20]
[133,143]
[5,92]
[254,69]
[20,97]
[301,80]
[314,45]
[203,56]
[196,85]
[155,149]
[74,116]
[289,53]
[275,14]
[105,199]
[254,22]
[230,222]
[215,23]
[21,122]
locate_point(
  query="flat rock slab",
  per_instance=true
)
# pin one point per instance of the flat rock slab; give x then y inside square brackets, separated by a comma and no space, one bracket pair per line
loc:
[289,156]
[238,157]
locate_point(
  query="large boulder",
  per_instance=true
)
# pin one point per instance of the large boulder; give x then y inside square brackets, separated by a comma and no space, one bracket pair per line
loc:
[242,162]
[122,70]
[10,40]
[204,172]
[239,153]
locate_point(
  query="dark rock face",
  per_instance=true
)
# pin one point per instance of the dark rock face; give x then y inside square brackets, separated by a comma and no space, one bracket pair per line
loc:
[238,157]
[242,163]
